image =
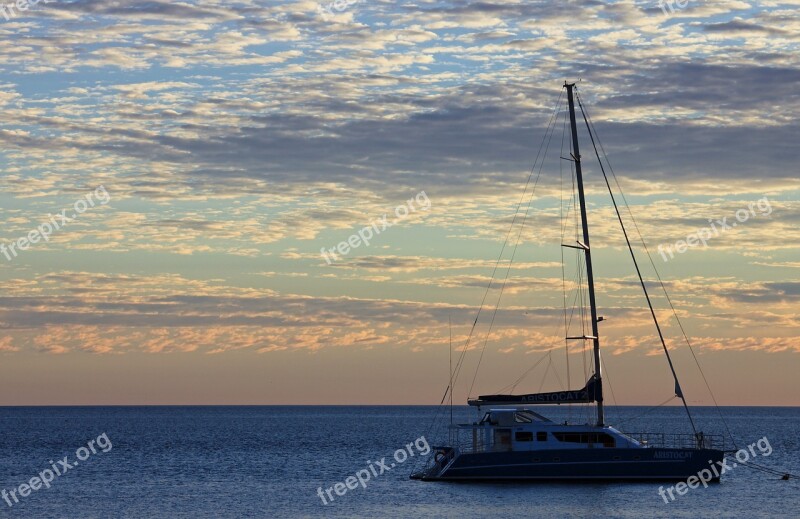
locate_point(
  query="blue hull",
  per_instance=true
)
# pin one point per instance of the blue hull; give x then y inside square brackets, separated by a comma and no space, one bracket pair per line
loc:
[578,464]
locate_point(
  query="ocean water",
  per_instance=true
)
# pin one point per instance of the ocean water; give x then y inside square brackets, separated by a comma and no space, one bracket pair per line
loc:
[269,462]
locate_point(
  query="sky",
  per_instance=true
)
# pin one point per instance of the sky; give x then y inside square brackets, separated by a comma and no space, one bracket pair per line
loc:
[180,181]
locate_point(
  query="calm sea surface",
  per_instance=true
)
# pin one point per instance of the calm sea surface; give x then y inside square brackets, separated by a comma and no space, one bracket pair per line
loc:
[269,462]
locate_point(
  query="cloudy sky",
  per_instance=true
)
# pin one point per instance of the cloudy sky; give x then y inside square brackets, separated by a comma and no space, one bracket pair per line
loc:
[205,153]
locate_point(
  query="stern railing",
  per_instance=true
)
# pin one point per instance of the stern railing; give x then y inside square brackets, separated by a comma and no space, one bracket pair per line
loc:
[679,441]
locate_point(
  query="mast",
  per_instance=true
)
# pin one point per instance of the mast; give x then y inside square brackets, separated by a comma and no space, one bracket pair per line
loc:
[585,246]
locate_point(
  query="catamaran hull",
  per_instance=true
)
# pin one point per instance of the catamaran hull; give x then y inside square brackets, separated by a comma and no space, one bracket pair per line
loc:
[574,464]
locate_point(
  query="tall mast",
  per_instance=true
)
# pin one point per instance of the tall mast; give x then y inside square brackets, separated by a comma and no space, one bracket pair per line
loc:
[587,251]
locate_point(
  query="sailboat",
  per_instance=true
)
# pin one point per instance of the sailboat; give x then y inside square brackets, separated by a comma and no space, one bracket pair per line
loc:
[511,441]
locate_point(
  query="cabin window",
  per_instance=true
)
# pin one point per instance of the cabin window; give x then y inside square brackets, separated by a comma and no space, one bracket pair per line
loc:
[487,418]
[541,436]
[574,437]
[522,418]
[524,436]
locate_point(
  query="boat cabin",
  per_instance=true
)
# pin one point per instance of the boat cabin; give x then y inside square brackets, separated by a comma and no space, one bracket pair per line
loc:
[525,430]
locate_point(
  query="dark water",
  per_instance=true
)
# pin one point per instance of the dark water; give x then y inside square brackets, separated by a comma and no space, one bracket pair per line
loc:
[269,462]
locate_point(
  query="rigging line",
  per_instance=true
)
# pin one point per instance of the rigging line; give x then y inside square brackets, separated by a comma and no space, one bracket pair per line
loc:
[579,264]
[665,402]
[513,385]
[582,315]
[568,319]
[608,378]
[546,370]
[450,368]
[663,286]
[678,390]
[571,316]
[561,249]
[571,204]
[577,281]
[551,122]
[574,304]
[513,254]
[583,354]
[564,224]
[450,374]
[582,306]
[433,429]
[750,464]
[579,272]
[768,470]
[558,379]
[567,324]
[459,364]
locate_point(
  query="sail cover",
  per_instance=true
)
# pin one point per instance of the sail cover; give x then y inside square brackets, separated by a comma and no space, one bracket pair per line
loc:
[592,392]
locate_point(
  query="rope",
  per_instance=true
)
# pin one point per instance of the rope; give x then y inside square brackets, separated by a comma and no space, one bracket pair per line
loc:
[678,390]
[661,282]
[432,428]
[749,464]
[513,385]
[608,378]
[662,404]
[519,236]
[755,466]
[562,227]
[460,362]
